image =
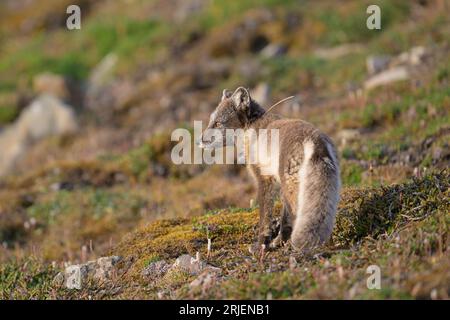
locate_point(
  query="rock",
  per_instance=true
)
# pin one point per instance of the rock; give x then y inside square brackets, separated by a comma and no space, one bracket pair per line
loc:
[45,116]
[13,146]
[383,78]
[376,64]
[77,276]
[438,154]
[348,135]
[103,72]
[337,52]
[58,280]
[415,56]
[193,266]
[189,264]
[105,267]
[50,83]
[187,8]
[293,264]
[156,269]
[99,92]
[273,50]
[261,93]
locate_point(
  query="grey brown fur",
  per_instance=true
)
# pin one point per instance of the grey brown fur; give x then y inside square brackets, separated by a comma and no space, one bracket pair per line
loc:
[304,165]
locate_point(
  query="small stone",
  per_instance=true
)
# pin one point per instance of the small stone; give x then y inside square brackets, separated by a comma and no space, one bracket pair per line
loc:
[413,57]
[102,73]
[338,51]
[273,50]
[434,294]
[105,267]
[156,269]
[376,64]
[189,264]
[76,276]
[348,135]
[292,263]
[437,153]
[49,83]
[386,77]
[58,280]
[193,266]
[46,116]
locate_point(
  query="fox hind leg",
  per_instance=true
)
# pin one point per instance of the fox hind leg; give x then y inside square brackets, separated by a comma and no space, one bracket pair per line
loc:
[285,229]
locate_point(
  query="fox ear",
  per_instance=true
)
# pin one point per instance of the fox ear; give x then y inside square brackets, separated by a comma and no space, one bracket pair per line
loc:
[241,98]
[226,94]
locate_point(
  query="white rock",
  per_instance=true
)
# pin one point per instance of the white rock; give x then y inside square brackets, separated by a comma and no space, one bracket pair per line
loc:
[348,135]
[50,83]
[12,145]
[413,57]
[102,73]
[337,52]
[45,116]
[293,264]
[189,264]
[273,50]
[76,276]
[386,77]
[105,267]
[187,8]
[193,266]
[417,55]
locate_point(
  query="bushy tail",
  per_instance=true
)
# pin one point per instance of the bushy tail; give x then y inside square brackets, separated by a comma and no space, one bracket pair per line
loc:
[318,197]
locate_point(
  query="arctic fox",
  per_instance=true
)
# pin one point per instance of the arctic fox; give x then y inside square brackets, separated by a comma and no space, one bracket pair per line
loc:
[303,163]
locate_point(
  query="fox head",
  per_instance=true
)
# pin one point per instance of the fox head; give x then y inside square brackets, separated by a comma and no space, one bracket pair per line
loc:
[236,110]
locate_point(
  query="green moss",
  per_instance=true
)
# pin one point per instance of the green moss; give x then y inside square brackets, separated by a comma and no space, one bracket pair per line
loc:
[219,12]
[347,24]
[7,114]
[94,203]
[28,279]
[151,259]
[351,173]
[372,212]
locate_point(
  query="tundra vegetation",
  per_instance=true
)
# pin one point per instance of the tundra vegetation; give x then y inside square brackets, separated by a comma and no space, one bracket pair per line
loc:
[137,70]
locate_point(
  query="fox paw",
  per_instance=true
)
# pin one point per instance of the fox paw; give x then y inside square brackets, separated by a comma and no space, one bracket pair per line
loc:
[277,242]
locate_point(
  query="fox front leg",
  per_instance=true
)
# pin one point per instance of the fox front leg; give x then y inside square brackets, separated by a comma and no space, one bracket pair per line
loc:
[265,200]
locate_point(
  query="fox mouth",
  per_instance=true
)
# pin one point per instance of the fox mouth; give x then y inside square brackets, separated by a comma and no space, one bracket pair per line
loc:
[213,143]
[209,144]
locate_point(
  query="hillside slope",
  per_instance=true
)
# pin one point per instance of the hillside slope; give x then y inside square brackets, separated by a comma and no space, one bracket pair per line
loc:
[139,69]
